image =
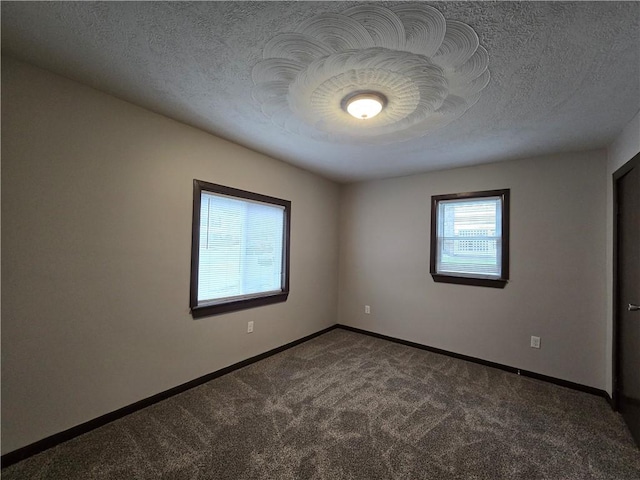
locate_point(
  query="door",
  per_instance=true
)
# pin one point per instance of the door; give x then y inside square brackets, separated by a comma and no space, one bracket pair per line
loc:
[627,314]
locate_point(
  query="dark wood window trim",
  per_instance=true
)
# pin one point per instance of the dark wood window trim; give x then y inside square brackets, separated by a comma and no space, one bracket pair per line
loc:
[469,279]
[216,308]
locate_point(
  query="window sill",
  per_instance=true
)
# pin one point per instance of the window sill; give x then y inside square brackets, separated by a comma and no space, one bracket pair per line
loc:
[234,305]
[478,282]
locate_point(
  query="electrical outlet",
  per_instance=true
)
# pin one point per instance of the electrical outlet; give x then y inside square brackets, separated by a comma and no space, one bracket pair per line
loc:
[250,327]
[367,309]
[535,342]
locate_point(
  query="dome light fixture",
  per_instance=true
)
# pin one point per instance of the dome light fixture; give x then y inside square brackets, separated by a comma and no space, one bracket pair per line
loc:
[364,105]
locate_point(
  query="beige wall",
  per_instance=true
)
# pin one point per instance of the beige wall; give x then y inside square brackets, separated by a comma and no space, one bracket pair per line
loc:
[557,287]
[623,149]
[96,212]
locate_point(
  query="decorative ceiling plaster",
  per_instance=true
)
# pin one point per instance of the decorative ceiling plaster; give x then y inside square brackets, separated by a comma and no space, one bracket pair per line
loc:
[430,70]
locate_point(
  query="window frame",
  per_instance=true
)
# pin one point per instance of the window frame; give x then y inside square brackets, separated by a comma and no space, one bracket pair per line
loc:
[501,282]
[231,305]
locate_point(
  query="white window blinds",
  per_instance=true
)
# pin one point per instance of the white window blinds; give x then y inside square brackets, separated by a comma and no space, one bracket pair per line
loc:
[469,237]
[241,248]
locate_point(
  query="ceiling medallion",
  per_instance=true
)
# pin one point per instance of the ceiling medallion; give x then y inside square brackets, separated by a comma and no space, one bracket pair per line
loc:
[422,70]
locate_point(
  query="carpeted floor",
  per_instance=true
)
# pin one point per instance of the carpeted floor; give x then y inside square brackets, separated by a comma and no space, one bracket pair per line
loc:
[349,406]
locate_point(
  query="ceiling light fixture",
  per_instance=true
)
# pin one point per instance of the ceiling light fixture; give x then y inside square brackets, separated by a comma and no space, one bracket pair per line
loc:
[364,106]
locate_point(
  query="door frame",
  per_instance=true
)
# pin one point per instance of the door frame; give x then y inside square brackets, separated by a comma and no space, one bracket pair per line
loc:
[617,175]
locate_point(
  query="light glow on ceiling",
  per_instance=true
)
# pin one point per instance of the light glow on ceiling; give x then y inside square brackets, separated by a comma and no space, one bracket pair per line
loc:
[429,70]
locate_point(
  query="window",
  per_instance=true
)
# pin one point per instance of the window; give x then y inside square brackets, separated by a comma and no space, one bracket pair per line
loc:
[470,238]
[239,249]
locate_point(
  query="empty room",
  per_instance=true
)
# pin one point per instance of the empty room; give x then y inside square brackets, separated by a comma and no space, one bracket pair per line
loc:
[320,240]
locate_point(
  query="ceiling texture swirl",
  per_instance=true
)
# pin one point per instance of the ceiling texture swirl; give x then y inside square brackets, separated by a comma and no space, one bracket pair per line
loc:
[460,82]
[430,70]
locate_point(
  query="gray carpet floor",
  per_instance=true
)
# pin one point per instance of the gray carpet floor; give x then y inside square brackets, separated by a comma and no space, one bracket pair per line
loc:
[349,406]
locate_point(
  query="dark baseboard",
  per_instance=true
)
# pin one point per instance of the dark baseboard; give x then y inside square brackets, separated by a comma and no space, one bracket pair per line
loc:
[518,371]
[53,440]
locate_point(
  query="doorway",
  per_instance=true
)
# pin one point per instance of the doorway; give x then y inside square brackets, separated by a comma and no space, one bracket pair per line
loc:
[626,294]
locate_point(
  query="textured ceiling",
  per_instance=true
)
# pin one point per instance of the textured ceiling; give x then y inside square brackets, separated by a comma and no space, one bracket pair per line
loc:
[564,76]
[428,70]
